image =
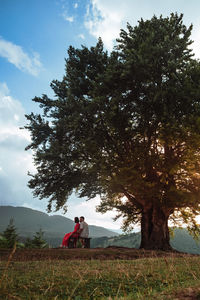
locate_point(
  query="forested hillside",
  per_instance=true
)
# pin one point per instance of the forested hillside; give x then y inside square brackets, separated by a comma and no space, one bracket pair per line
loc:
[181,241]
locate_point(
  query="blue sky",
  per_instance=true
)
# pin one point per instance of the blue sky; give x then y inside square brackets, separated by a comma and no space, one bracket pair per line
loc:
[34,38]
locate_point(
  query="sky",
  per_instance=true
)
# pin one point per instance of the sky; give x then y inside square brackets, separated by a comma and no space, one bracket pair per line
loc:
[34,38]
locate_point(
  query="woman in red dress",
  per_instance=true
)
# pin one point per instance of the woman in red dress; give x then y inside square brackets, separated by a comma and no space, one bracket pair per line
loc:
[74,234]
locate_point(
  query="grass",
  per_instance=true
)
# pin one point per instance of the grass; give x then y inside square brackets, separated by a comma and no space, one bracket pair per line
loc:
[146,278]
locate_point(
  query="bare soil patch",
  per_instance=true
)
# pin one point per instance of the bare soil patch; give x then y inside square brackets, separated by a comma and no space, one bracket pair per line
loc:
[187,294]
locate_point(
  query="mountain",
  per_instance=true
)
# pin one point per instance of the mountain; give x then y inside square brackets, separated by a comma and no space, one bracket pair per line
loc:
[28,221]
[181,241]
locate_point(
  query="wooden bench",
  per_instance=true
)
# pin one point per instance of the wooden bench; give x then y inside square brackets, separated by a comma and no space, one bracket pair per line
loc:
[72,242]
[86,242]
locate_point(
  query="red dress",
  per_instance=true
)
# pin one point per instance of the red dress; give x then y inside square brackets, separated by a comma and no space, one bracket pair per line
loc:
[68,235]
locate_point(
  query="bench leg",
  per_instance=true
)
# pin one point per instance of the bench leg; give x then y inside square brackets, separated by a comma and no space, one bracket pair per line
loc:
[72,242]
[87,242]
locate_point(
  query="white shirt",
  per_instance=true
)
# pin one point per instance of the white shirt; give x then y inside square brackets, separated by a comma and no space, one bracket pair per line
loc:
[85,232]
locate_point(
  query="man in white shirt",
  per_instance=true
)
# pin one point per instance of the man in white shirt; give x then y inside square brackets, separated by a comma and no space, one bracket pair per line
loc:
[84,231]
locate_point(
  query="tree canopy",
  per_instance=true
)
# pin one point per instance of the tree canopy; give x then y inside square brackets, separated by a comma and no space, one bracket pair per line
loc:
[125,125]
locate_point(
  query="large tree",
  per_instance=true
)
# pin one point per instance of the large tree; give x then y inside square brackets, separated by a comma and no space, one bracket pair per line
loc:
[125,125]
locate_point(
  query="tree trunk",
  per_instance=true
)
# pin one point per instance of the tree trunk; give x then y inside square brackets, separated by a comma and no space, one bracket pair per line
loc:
[154,229]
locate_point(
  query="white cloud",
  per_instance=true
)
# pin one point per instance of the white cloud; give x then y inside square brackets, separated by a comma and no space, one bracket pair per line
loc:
[81,36]
[14,161]
[16,56]
[68,18]
[75,5]
[11,113]
[105,18]
[11,118]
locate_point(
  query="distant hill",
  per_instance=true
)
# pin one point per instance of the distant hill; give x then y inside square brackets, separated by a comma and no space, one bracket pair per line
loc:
[182,241]
[28,221]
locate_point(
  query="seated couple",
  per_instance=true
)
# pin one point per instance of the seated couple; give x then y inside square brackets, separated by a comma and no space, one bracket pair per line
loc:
[81,231]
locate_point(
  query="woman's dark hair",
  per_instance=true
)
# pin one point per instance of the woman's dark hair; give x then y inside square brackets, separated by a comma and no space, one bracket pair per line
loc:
[76,220]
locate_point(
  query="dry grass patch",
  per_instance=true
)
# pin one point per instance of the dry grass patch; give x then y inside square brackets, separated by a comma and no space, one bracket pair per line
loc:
[145,278]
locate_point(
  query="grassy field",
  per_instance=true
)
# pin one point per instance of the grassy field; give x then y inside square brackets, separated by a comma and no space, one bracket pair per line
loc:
[164,277]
